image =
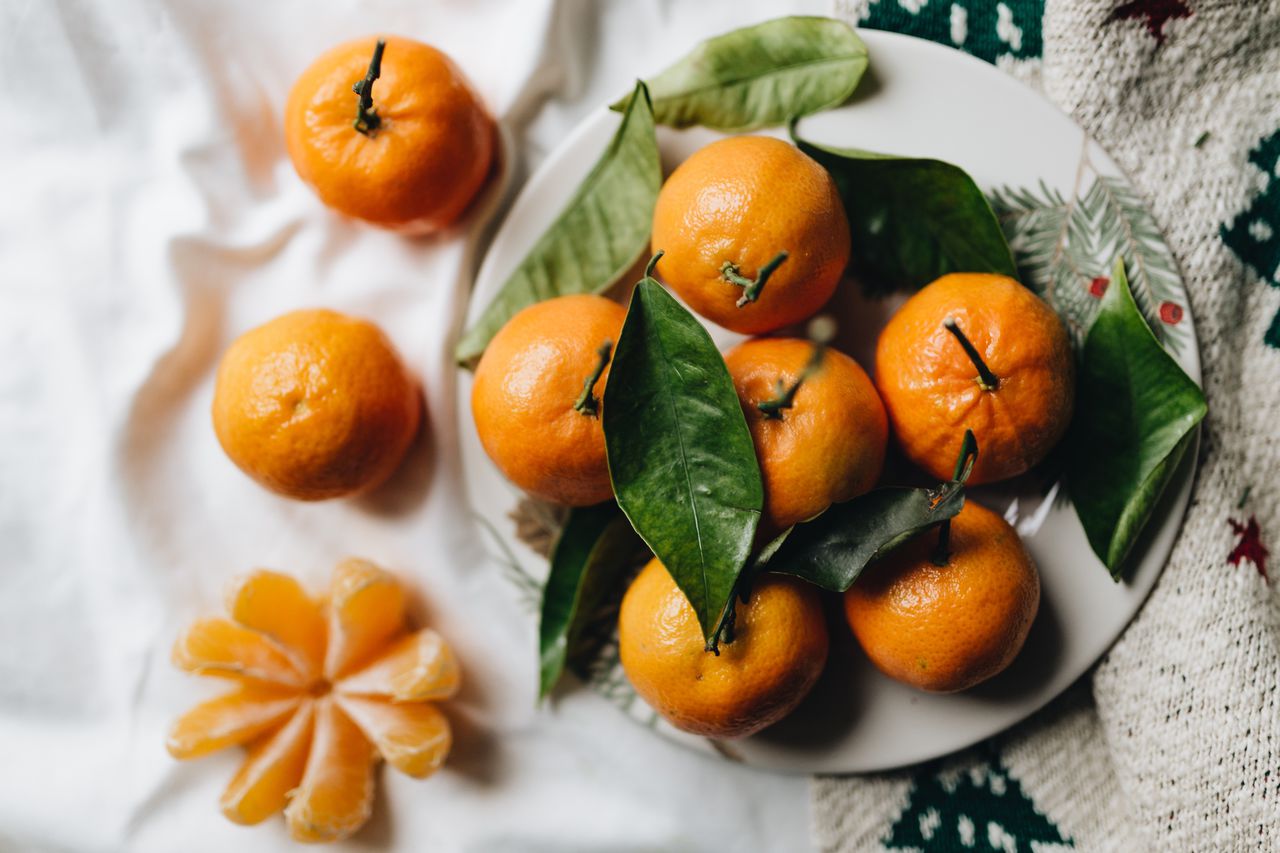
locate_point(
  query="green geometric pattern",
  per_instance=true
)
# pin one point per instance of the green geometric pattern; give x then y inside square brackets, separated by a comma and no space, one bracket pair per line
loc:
[984,28]
[979,808]
[1254,235]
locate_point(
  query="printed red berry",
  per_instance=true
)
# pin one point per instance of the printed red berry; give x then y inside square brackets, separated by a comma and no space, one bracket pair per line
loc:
[1170,313]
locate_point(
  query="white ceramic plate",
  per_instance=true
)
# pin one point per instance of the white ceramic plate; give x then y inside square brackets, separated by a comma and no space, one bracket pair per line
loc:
[919,99]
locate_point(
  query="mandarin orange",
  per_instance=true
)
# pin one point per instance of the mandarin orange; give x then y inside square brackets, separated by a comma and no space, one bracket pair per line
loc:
[776,652]
[754,233]
[408,149]
[978,352]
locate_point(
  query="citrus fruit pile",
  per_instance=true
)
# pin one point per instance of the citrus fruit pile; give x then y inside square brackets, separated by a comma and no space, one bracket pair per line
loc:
[751,234]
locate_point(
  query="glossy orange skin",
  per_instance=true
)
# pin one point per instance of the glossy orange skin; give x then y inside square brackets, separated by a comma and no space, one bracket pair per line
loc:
[315,405]
[930,389]
[828,447]
[525,387]
[424,163]
[744,199]
[778,651]
[947,628]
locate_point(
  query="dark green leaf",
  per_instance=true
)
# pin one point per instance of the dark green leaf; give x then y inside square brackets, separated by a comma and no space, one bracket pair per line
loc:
[912,220]
[595,550]
[833,549]
[597,237]
[762,75]
[683,465]
[1136,413]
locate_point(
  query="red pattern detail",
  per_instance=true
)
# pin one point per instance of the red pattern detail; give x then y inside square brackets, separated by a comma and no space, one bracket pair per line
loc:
[1170,313]
[1156,13]
[1249,546]
[1098,286]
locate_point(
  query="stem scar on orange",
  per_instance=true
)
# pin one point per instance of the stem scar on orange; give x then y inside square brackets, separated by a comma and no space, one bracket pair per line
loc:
[818,424]
[754,232]
[777,651]
[947,627]
[315,405]
[537,397]
[389,131]
[978,352]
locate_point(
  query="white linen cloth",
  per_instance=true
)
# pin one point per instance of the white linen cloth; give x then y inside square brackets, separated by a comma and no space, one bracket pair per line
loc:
[149,215]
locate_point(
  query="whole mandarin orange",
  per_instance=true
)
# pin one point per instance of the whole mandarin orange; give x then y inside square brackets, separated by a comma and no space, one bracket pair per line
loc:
[725,217]
[414,158]
[777,652]
[826,443]
[944,628]
[315,405]
[934,389]
[537,396]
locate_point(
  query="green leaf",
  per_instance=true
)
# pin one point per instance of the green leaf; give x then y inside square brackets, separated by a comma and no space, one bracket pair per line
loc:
[912,220]
[597,237]
[593,553]
[833,549]
[681,458]
[1136,413]
[762,75]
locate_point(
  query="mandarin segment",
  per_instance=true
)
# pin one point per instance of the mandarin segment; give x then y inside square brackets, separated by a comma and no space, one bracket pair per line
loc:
[366,609]
[221,647]
[272,769]
[279,607]
[413,738]
[235,718]
[415,668]
[335,796]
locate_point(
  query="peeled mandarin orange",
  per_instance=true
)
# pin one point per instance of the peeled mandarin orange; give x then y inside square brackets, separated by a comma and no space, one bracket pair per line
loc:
[1015,390]
[315,405]
[754,233]
[315,733]
[948,627]
[777,651]
[411,156]
[822,443]
[537,397]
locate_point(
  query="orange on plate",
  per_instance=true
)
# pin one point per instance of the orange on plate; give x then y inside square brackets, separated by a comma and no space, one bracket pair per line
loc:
[411,155]
[1015,390]
[772,659]
[537,397]
[948,627]
[818,444]
[754,233]
[323,691]
[315,405]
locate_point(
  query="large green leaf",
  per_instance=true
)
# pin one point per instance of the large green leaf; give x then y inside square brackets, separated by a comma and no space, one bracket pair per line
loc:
[597,237]
[595,550]
[762,75]
[912,220]
[681,458]
[1136,413]
[833,549]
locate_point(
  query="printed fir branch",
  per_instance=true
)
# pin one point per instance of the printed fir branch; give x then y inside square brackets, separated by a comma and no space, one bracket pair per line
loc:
[1064,248]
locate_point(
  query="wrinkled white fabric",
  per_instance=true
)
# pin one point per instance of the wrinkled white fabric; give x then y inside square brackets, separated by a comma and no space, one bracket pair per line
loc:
[149,215]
